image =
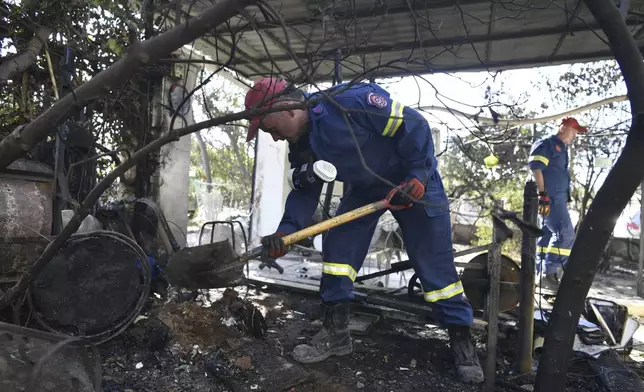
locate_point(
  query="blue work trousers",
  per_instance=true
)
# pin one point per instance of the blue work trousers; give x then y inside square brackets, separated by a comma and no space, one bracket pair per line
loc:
[554,247]
[428,242]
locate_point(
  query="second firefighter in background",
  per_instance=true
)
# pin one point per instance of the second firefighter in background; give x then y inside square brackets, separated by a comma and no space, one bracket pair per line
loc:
[549,164]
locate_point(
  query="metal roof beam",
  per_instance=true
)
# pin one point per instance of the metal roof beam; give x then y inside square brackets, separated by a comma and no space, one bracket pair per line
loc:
[371,12]
[500,65]
[434,43]
[490,31]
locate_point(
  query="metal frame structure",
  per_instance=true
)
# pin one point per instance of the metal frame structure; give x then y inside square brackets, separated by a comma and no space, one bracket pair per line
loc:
[420,37]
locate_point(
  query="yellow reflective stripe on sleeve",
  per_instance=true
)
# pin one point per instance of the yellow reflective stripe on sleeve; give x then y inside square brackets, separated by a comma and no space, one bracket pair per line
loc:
[553,250]
[539,158]
[339,270]
[395,119]
[450,291]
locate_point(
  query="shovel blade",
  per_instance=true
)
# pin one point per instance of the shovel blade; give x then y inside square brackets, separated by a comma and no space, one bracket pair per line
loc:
[202,267]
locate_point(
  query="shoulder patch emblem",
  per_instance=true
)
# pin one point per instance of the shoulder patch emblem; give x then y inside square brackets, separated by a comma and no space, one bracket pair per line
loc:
[377,100]
[558,148]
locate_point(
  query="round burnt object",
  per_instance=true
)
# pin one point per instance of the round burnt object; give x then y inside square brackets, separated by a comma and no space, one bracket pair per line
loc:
[94,287]
[475,283]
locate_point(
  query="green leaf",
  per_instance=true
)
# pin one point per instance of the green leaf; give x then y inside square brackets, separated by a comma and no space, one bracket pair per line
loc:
[114,46]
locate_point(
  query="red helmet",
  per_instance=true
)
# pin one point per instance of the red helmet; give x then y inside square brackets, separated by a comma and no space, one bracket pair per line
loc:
[261,95]
[572,122]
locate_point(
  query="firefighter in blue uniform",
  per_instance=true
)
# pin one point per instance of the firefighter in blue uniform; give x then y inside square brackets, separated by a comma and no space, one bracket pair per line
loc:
[361,122]
[549,164]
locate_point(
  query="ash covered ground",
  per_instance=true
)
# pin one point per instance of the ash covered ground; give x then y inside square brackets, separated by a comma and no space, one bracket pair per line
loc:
[222,343]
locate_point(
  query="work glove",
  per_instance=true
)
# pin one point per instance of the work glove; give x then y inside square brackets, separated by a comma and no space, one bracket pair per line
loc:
[274,246]
[544,204]
[412,189]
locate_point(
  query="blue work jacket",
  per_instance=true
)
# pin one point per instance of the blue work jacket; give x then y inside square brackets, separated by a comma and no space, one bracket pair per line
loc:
[550,155]
[366,135]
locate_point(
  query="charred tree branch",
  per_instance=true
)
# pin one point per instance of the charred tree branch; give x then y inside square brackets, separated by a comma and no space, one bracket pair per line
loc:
[22,61]
[147,52]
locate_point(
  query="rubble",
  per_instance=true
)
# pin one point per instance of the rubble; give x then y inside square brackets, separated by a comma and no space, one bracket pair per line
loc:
[191,324]
[243,363]
[222,324]
[229,345]
[149,334]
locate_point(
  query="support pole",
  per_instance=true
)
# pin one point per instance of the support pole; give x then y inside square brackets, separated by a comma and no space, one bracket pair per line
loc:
[528,260]
[492,308]
[337,78]
[62,197]
[640,269]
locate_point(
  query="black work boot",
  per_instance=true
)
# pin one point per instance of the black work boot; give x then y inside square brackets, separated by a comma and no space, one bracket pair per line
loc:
[333,339]
[466,360]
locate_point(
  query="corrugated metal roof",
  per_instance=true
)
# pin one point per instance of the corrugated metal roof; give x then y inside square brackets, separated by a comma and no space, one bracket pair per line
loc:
[399,37]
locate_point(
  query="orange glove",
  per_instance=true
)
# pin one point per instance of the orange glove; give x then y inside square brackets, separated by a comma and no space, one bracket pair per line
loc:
[274,246]
[412,189]
[544,204]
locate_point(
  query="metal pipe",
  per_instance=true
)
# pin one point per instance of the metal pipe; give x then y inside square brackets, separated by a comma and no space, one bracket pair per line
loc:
[337,79]
[337,70]
[528,258]
[62,197]
[640,263]
[405,265]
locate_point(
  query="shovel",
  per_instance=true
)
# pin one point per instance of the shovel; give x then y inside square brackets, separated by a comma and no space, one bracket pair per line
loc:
[216,265]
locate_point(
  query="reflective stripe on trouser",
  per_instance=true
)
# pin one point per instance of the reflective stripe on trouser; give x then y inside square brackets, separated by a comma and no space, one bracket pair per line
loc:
[554,247]
[428,243]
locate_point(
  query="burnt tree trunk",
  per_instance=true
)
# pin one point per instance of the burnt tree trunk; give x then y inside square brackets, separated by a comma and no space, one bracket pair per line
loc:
[595,230]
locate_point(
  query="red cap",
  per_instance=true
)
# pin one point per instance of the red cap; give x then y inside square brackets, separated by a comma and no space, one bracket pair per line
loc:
[572,122]
[261,95]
